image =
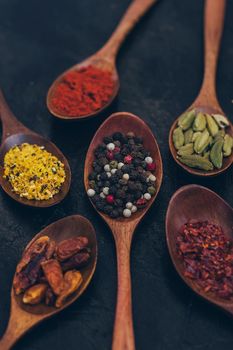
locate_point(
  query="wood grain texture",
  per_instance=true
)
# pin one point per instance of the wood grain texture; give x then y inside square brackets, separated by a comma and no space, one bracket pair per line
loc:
[198,203]
[123,228]
[206,100]
[105,58]
[15,133]
[24,317]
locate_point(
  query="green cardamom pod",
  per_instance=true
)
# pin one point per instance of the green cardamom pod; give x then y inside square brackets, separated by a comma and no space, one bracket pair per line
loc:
[186,150]
[188,135]
[185,121]
[228,145]
[178,137]
[216,155]
[212,125]
[221,120]
[220,135]
[201,142]
[199,123]
[206,154]
[195,161]
[196,135]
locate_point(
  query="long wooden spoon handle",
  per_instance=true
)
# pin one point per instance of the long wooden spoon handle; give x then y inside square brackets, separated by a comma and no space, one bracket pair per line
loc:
[10,124]
[123,335]
[134,12]
[214,21]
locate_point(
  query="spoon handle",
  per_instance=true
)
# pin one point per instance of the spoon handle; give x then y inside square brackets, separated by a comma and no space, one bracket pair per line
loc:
[10,125]
[133,14]
[214,21]
[20,322]
[123,334]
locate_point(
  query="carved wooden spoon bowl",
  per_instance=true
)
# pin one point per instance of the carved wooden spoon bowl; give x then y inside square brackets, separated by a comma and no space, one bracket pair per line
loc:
[207,101]
[105,58]
[15,133]
[123,228]
[24,317]
[198,203]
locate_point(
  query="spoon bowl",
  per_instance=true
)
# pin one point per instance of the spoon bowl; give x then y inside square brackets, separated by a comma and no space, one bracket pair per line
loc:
[123,228]
[15,133]
[99,61]
[227,161]
[207,101]
[198,203]
[105,58]
[23,317]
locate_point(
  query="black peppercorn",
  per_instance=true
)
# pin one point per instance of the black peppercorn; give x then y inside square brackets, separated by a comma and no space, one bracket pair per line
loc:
[103,176]
[117,136]
[108,139]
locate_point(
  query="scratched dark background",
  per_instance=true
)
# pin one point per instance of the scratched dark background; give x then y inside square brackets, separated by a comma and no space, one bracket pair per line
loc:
[160,66]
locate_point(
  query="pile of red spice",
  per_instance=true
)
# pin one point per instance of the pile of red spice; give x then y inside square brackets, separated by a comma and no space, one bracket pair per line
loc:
[81,92]
[207,255]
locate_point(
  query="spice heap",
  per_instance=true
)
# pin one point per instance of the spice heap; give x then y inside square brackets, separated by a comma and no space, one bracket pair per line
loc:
[207,256]
[48,271]
[201,140]
[82,92]
[122,180]
[33,172]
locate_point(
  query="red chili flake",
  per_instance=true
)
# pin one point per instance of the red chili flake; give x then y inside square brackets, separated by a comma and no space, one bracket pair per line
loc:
[207,256]
[150,166]
[110,199]
[128,159]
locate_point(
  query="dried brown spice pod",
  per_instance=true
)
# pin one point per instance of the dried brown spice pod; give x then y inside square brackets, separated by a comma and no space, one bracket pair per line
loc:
[49,297]
[38,247]
[76,261]
[73,280]
[53,273]
[35,294]
[70,247]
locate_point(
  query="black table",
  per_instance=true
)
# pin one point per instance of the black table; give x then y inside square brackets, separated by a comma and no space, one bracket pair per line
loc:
[161,68]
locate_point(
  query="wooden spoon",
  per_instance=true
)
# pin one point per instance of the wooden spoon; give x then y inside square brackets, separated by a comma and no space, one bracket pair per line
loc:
[23,317]
[105,58]
[207,101]
[198,203]
[123,228]
[15,133]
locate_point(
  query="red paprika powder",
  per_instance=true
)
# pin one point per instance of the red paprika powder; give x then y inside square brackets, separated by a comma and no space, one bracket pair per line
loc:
[81,92]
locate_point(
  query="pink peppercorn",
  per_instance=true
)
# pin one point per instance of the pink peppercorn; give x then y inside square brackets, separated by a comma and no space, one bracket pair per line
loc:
[150,166]
[110,155]
[140,202]
[116,149]
[128,159]
[110,199]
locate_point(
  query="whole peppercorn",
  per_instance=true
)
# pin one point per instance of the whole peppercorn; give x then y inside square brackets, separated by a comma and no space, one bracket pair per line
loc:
[108,209]
[92,176]
[151,190]
[90,192]
[114,179]
[117,136]
[125,168]
[102,161]
[108,139]
[114,213]
[141,202]
[119,202]
[151,166]
[120,194]
[103,176]
[137,194]
[113,164]
[117,143]
[123,182]
[92,184]
[127,213]
[110,155]
[118,157]
[112,189]
[110,146]
[128,159]
[97,169]
[116,150]
[138,186]
[100,204]
[110,199]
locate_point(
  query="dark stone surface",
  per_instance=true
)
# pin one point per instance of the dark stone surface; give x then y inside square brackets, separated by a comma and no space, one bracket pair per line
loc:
[161,68]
